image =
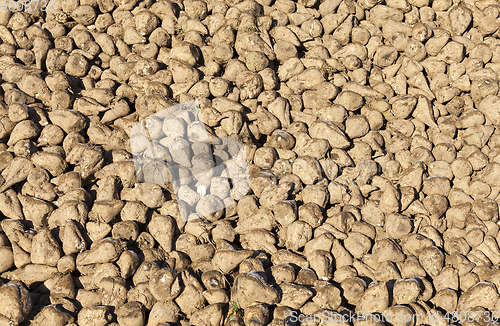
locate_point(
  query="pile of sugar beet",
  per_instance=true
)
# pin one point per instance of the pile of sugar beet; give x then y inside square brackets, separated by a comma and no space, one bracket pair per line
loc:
[370,134]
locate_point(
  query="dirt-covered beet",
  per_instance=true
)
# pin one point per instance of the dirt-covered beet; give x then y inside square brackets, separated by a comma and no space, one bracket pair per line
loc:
[268,162]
